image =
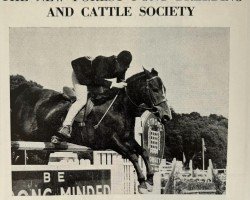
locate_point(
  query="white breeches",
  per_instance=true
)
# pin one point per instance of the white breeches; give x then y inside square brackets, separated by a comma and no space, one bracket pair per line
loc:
[81,99]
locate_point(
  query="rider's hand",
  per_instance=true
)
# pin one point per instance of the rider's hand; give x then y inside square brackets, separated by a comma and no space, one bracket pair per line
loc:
[118,85]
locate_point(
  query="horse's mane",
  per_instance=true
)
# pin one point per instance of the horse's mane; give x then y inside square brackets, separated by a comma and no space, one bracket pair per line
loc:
[134,73]
[135,77]
[132,70]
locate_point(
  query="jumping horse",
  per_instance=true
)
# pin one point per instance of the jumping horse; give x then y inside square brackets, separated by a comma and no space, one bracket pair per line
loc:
[36,115]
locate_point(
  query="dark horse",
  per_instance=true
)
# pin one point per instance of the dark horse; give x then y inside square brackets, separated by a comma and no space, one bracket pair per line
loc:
[38,113]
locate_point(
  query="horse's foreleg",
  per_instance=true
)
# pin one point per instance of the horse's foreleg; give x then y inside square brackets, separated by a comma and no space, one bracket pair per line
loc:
[150,173]
[145,156]
[134,159]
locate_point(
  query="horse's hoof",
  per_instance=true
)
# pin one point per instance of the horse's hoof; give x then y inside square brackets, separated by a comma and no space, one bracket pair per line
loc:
[149,186]
[142,188]
[55,140]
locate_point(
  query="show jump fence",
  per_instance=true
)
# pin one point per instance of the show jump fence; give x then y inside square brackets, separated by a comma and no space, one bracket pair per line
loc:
[118,174]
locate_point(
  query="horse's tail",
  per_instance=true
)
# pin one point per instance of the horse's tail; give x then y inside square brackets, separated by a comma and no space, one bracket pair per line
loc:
[52,111]
[15,93]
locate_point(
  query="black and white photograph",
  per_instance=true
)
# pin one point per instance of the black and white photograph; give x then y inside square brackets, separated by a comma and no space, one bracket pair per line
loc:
[119,110]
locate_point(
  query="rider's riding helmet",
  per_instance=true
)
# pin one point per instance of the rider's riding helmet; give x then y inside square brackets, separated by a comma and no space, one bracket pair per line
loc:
[124,58]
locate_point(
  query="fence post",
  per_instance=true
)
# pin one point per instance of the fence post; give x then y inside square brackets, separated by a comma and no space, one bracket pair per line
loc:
[170,185]
[117,172]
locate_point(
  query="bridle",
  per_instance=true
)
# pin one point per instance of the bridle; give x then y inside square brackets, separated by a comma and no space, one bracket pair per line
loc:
[154,105]
[138,106]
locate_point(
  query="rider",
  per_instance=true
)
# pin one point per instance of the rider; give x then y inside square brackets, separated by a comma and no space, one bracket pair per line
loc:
[88,72]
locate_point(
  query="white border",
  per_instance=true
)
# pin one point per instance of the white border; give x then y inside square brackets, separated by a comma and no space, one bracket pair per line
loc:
[207,14]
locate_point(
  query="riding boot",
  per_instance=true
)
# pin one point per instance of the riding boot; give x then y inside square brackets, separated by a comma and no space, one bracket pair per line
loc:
[88,108]
[65,131]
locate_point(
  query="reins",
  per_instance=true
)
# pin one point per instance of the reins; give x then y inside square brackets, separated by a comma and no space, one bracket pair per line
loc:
[97,125]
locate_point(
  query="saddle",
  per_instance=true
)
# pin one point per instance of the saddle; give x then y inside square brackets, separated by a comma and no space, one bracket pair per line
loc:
[96,96]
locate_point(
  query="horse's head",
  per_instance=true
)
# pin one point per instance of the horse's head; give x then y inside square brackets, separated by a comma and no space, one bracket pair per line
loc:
[145,90]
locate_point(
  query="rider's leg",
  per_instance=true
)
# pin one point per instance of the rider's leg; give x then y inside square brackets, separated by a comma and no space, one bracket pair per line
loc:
[81,99]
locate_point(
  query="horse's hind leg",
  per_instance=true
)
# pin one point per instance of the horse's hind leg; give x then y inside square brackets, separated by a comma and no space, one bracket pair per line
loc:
[145,156]
[142,188]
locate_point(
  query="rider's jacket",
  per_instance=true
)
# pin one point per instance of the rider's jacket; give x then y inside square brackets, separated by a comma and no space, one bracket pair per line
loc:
[95,72]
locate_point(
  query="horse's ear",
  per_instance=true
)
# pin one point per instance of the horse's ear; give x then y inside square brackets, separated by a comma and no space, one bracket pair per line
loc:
[146,71]
[154,72]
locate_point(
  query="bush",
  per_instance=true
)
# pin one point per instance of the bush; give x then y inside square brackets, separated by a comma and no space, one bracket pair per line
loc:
[192,185]
[220,185]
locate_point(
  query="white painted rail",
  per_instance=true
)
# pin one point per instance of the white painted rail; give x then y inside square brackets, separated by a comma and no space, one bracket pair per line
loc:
[24,145]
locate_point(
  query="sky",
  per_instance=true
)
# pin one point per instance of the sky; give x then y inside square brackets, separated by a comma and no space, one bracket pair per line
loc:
[192,62]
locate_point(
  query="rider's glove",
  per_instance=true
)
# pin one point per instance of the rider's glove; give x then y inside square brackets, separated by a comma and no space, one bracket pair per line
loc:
[118,85]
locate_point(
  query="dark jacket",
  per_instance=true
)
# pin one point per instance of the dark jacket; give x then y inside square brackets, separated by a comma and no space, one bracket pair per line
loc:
[94,73]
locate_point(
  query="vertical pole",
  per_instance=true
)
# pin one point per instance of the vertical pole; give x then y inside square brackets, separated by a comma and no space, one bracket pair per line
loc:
[141,141]
[203,160]
[25,157]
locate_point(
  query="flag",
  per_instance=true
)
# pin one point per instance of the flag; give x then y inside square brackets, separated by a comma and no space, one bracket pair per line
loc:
[184,158]
[203,145]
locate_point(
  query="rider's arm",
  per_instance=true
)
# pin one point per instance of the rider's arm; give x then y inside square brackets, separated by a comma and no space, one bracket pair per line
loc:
[103,64]
[106,83]
[82,69]
[85,73]
[98,81]
[121,78]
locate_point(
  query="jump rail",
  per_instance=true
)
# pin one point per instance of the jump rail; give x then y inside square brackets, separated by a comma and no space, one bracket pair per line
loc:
[64,146]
